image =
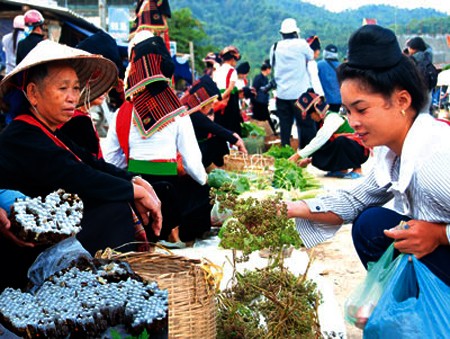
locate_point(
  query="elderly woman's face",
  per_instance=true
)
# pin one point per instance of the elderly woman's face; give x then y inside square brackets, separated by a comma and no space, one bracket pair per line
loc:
[376,120]
[56,96]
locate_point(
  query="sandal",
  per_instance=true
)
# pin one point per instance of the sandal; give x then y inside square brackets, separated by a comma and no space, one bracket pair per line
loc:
[336,174]
[352,175]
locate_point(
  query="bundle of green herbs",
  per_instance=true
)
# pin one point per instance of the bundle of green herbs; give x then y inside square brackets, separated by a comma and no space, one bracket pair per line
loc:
[256,224]
[269,302]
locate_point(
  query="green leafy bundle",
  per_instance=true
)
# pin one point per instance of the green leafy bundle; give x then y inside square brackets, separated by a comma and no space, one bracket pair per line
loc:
[240,182]
[288,176]
[280,152]
[251,129]
[257,224]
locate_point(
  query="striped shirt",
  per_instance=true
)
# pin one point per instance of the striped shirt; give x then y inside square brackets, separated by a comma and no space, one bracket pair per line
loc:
[418,182]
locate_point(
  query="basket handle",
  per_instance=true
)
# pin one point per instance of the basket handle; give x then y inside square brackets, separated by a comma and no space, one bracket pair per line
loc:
[108,253]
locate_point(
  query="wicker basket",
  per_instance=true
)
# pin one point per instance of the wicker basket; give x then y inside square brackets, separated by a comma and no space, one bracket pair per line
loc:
[257,163]
[192,303]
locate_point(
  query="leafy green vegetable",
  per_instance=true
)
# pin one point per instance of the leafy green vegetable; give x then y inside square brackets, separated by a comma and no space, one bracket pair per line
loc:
[240,182]
[288,175]
[217,178]
[280,152]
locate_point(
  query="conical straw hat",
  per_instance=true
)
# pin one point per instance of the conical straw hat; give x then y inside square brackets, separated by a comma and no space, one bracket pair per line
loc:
[93,70]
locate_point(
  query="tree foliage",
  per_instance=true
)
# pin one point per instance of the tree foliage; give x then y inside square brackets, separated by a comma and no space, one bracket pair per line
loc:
[253,25]
[184,28]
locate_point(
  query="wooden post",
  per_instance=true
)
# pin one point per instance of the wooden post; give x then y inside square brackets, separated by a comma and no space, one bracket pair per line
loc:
[102,13]
[191,55]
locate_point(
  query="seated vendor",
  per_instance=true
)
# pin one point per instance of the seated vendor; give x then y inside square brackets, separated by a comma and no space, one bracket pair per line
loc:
[50,83]
[335,148]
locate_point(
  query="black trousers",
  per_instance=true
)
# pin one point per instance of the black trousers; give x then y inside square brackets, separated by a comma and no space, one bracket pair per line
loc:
[185,203]
[340,154]
[261,113]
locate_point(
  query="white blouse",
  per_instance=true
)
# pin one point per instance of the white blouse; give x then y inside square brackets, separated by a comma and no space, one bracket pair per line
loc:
[176,136]
[418,181]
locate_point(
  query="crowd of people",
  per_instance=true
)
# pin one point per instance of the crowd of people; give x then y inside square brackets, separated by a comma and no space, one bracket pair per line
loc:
[148,180]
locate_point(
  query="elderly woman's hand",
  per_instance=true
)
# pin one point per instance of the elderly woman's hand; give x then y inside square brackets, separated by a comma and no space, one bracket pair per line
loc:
[420,239]
[5,231]
[240,144]
[148,204]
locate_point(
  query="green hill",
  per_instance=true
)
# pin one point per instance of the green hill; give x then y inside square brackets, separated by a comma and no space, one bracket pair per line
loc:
[253,25]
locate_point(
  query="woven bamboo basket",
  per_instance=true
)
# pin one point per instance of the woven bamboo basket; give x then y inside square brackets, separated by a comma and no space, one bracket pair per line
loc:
[257,163]
[192,302]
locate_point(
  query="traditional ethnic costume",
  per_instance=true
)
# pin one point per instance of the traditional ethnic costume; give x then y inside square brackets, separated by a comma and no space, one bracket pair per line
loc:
[151,15]
[37,161]
[150,130]
[335,146]
[212,138]
[230,116]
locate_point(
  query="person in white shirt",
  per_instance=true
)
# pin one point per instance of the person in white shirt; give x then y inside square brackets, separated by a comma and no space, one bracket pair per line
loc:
[289,58]
[152,136]
[384,95]
[313,71]
[11,40]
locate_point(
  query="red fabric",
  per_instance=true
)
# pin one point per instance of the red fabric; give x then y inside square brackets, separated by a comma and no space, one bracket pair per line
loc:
[123,124]
[227,82]
[444,120]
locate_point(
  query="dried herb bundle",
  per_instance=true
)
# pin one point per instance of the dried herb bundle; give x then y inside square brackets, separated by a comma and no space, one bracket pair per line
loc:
[269,303]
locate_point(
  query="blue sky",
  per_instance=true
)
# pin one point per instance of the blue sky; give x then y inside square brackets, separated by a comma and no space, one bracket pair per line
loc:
[340,5]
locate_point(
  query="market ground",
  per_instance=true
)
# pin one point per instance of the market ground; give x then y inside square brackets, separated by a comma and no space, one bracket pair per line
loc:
[337,257]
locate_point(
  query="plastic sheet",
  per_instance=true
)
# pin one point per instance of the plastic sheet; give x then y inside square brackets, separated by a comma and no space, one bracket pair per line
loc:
[55,258]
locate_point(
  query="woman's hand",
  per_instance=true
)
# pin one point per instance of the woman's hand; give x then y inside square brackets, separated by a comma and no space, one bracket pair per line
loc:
[302,162]
[420,239]
[5,231]
[240,144]
[146,185]
[294,158]
[296,208]
[148,204]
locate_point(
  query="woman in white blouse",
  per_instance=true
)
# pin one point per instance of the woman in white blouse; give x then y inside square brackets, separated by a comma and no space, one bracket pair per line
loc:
[384,94]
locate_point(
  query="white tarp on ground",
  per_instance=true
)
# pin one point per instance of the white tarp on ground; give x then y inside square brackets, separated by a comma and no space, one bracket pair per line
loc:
[330,315]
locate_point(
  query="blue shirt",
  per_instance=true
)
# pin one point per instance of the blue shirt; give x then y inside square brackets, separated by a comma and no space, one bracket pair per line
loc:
[8,197]
[329,81]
